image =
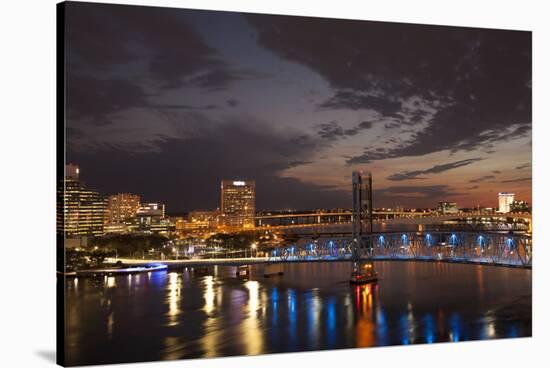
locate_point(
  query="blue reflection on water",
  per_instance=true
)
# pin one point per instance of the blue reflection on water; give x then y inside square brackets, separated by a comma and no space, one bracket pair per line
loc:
[292,315]
[311,317]
[274,331]
[454,322]
[429,327]
[331,321]
[274,303]
[404,324]
[513,331]
[381,327]
[158,278]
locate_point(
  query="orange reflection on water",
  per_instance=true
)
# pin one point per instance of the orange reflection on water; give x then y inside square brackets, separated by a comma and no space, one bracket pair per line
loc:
[209,294]
[174,298]
[110,325]
[251,331]
[210,341]
[365,326]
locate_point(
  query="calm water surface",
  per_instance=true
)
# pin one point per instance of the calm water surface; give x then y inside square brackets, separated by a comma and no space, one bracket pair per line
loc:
[179,315]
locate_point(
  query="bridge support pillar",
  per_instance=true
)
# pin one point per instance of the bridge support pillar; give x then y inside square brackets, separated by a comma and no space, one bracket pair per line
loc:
[361,209]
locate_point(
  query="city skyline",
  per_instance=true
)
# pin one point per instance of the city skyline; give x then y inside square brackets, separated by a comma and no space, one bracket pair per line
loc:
[166,103]
[72,168]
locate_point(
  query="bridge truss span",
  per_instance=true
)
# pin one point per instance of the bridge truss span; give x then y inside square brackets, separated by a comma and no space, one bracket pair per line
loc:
[506,249]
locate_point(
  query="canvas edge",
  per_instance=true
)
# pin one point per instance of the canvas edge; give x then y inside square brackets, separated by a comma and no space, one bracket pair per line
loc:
[60,169]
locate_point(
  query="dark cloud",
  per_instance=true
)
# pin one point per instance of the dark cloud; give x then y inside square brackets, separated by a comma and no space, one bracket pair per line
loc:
[183,107]
[439,139]
[482,179]
[365,125]
[496,172]
[74,133]
[516,180]
[479,80]
[332,130]
[299,163]
[221,78]
[523,166]
[233,102]
[118,54]
[104,36]
[408,175]
[97,98]
[386,106]
[413,196]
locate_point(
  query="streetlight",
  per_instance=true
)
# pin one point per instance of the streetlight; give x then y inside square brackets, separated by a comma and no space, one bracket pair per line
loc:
[254,245]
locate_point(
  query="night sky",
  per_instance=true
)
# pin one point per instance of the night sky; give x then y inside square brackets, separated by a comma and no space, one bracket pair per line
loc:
[167,102]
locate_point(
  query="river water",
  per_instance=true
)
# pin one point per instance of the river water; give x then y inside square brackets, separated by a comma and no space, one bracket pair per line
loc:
[181,315]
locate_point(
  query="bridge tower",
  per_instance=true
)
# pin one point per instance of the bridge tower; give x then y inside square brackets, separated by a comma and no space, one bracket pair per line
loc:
[361,210]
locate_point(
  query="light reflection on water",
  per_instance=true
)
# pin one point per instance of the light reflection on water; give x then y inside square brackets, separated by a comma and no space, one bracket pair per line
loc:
[174,298]
[251,332]
[175,315]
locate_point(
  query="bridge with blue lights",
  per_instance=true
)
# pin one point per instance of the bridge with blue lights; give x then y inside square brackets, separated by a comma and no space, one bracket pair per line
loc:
[469,247]
[500,249]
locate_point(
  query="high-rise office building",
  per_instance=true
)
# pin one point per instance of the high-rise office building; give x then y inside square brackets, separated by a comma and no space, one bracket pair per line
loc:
[81,211]
[238,204]
[121,207]
[504,201]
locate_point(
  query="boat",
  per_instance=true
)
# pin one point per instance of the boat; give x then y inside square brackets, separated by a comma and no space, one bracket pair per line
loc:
[243,271]
[363,273]
[122,271]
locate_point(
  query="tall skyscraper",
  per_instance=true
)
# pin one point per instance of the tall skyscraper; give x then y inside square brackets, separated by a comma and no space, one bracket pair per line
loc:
[121,207]
[81,211]
[238,204]
[504,201]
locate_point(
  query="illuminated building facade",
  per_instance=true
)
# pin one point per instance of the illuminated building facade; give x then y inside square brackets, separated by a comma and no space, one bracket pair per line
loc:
[520,207]
[121,207]
[151,210]
[81,211]
[505,199]
[151,218]
[198,223]
[238,204]
[445,208]
[162,226]
[115,228]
